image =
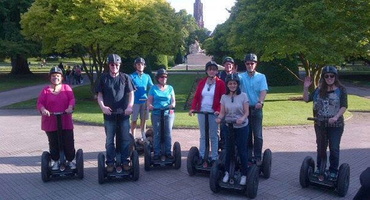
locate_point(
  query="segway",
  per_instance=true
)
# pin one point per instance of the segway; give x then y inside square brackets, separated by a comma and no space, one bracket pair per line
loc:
[265,167]
[64,170]
[131,174]
[321,178]
[193,165]
[218,170]
[145,138]
[163,161]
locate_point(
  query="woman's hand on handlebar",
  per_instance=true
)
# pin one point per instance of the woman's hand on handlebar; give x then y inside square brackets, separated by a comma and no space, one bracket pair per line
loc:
[69,110]
[240,121]
[332,120]
[191,112]
[150,107]
[45,112]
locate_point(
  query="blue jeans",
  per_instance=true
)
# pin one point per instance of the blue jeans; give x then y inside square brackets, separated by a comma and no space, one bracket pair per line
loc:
[328,136]
[119,128]
[240,139]
[165,147]
[213,135]
[255,140]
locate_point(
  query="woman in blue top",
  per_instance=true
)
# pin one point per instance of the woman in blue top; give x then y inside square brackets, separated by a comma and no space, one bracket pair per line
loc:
[329,105]
[160,96]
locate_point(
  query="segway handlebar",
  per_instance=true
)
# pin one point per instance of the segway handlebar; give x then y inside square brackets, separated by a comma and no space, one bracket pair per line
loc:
[203,112]
[60,113]
[230,121]
[164,108]
[312,118]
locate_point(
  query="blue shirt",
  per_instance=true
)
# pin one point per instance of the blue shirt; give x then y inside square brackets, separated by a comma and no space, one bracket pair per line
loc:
[252,86]
[142,82]
[161,99]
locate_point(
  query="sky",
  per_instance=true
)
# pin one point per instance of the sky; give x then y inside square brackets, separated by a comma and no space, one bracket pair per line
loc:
[214,11]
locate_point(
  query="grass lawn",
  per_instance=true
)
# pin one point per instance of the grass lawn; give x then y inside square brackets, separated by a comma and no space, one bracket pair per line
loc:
[9,82]
[282,105]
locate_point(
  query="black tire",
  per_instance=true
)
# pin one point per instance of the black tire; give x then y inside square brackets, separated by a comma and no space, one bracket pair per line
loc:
[132,143]
[177,155]
[214,177]
[135,166]
[101,168]
[221,156]
[343,179]
[80,163]
[252,182]
[45,169]
[266,163]
[147,157]
[192,160]
[307,168]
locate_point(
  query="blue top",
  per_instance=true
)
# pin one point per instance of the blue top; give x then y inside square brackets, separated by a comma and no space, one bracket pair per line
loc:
[161,99]
[252,86]
[143,83]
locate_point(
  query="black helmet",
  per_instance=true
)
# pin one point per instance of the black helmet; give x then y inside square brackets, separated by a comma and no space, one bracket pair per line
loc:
[250,57]
[329,69]
[211,63]
[55,70]
[139,60]
[114,58]
[232,77]
[228,59]
[160,72]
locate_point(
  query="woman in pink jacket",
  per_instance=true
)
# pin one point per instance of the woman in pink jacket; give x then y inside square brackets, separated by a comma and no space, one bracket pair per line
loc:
[207,99]
[58,97]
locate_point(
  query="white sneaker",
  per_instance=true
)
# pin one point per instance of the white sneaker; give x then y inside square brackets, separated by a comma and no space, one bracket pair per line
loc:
[72,165]
[243,180]
[226,177]
[55,165]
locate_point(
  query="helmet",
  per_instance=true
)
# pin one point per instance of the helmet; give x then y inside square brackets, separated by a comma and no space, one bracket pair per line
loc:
[211,63]
[250,57]
[232,77]
[55,70]
[329,69]
[228,59]
[160,72]
[139,60]
[114,58]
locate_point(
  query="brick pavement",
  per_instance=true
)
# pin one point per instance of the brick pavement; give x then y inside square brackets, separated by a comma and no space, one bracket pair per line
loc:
[22,143]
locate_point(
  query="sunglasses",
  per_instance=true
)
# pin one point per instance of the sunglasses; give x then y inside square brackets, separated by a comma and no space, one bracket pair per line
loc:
[329,76]
[163,77]
[113,64]
[251,63]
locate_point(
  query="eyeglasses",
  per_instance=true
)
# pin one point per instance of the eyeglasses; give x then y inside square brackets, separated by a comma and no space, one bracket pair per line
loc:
[250,63]
[113,64]
[329,76]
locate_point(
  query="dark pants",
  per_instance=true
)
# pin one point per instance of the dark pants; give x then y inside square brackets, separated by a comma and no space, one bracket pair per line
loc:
[364,192]
[68,144]
[328,136]
[240,139]
[255,140]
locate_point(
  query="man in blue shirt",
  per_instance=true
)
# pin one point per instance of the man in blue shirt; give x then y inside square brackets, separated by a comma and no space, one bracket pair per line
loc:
[143,82]
[255,85]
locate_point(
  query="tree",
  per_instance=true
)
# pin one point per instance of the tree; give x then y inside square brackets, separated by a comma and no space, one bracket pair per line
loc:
[97,28]
[316,32]
[12,44]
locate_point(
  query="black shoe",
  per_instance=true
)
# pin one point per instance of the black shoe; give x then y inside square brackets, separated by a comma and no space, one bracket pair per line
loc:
[156,157]
[170,157]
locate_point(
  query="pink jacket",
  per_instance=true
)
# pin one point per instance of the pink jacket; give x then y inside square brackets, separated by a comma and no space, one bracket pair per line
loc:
[56,103]
[219,91]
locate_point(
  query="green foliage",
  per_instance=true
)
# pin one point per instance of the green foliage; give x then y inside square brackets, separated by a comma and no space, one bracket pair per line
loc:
[157,61]
[281,72]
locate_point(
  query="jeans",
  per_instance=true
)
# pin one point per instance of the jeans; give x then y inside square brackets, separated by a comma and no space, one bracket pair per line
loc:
[119,128]
[331,136]
[213,135]
[68,144]
[240,139]
[165,147]
[255,140]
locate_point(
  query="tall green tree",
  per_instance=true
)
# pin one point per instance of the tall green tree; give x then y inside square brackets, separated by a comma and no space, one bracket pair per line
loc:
[97,28]
[318,32]
[12,44]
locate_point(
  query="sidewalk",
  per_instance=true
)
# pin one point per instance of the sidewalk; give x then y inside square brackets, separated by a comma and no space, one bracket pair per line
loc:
[23,143]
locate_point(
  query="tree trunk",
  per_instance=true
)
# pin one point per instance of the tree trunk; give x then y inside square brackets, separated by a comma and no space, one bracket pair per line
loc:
[19,65]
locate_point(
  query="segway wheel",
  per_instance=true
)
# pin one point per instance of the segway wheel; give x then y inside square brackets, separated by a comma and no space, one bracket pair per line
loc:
[80,163]
[266,163]
[214,177]
[252,182]
[307,168]
[147,157]
[132,143]
[45,170]
[177,155]
[135,165]
[191,161]
[101,168]
[343,179]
